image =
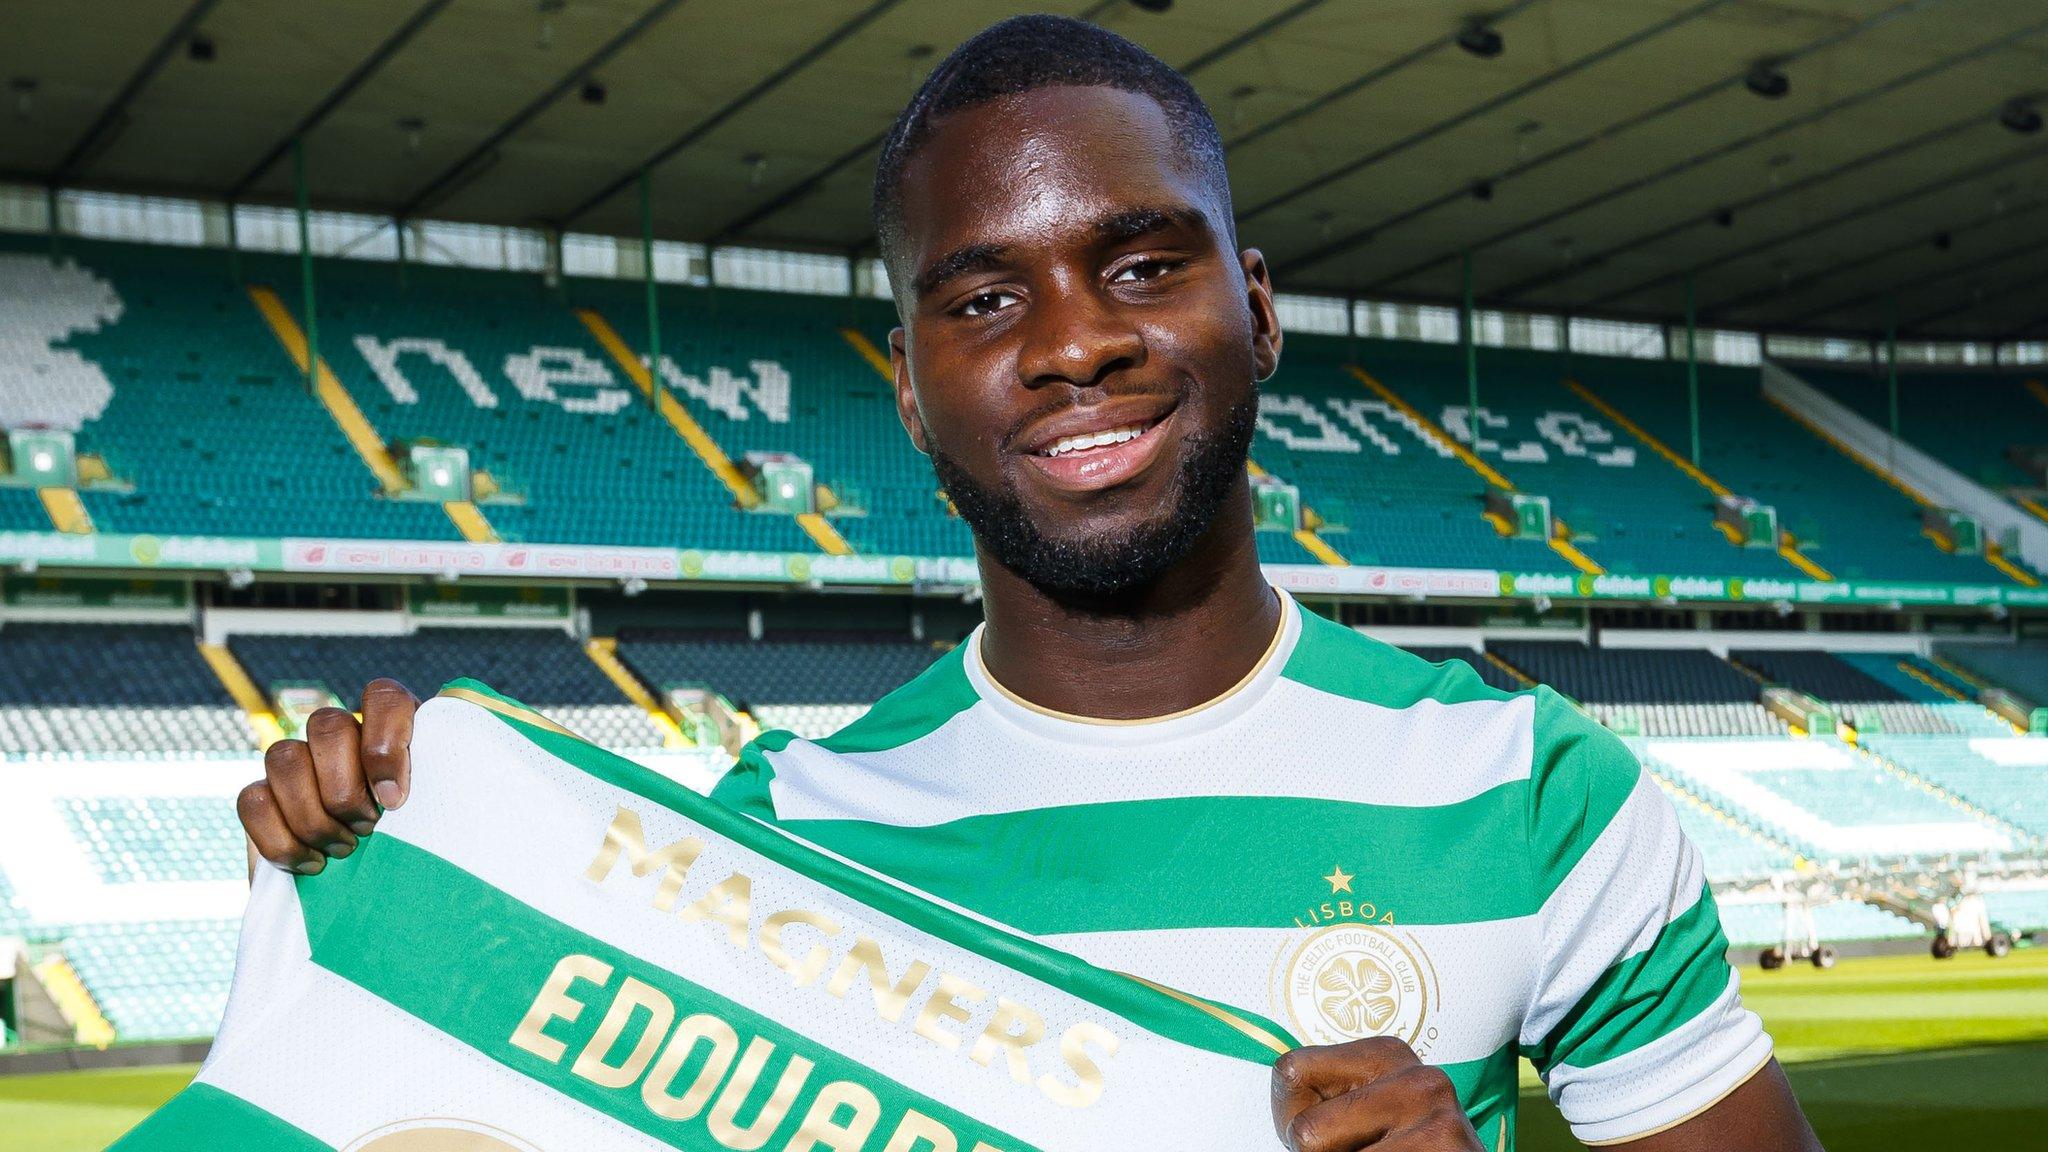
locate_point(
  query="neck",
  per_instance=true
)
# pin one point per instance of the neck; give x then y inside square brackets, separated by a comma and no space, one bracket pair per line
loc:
[1167,646]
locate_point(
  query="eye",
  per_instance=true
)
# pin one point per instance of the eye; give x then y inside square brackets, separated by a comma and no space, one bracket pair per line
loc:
[986,303]
[1142,270]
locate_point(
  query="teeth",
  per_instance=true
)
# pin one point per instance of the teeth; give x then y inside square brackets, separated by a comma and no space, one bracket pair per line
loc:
[1068,444]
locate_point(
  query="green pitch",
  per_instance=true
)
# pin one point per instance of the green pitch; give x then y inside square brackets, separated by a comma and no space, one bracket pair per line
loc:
[1898,1052]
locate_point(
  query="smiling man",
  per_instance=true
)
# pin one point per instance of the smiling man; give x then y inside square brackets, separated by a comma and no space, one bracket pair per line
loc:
[1150,758]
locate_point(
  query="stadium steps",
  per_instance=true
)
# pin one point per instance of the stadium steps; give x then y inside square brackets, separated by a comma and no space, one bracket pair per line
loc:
[1526,680]
[714,458]
[1561,534]
[1787,544]
[604,652]
[1306,536]
[75,1001]
[247,696]
[67,511]
[466,516]
[1993,554]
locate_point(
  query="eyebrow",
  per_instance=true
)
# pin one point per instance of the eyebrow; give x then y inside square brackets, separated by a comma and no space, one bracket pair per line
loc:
[1118,227]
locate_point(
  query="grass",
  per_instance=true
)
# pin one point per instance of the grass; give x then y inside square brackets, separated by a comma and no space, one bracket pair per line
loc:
[1894,1052]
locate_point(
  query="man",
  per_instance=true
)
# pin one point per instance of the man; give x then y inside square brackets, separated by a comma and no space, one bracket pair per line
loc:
[1150,758]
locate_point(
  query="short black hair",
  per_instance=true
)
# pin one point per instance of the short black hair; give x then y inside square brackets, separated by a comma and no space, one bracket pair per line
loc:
[1024,54]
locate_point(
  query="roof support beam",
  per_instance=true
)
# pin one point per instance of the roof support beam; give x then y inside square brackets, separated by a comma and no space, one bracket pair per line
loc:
[732,108]
[1888,291]
[1620,127]
[1598,56]
[341,92]
[115,114]
[479,159]
[1722,151]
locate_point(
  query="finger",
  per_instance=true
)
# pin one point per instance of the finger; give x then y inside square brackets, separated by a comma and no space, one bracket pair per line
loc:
[387,740]
[336,741]
[1415,1099]
[272,837]
[1307,1076]
[288,768]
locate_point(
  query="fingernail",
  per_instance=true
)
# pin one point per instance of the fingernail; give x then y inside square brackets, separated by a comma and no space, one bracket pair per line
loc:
[309,867]
[339,850]
[388,793]
[363,827]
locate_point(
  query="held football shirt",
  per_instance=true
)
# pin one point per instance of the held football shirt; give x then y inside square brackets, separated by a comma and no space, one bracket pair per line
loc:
[1353,841]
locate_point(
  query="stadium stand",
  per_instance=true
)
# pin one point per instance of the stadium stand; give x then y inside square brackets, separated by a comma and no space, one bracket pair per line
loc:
[112,689]
[1847,520]
[1873,693]
[151,839]
[208,424]
[1662,692]
[1729,850]
[541,667]
[159,980]
[1493,674]
[1966,420]
[1638,512]
[809,683]
[2022,668]
[2005,775]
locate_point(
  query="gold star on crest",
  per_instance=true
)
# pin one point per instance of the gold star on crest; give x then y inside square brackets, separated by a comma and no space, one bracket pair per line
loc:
[1339,880]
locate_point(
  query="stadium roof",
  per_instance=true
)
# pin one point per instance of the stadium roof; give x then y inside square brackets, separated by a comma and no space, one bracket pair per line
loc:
[1608,148]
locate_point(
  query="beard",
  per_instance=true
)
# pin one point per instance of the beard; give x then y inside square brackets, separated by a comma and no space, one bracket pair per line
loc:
[1094,565]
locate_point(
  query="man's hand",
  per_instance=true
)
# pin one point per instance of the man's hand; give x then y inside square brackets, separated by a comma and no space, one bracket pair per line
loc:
[1371,1093]
[318,795]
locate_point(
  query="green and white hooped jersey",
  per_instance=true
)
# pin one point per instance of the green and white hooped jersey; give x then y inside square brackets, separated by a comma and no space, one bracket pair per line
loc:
[1353,842]
[552,949]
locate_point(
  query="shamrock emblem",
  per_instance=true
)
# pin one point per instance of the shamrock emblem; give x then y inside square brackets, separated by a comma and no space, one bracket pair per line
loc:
[1357,994]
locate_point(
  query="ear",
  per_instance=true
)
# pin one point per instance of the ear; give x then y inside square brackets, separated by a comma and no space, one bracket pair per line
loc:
[906,396]
[1258,287]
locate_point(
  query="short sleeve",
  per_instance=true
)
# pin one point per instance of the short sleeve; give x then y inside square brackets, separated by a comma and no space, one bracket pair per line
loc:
[1636,1022]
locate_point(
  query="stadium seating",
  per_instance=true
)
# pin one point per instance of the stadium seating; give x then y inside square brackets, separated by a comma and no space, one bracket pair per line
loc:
[541,667]
[811,684]
[2005,775]
[1729,850]
[1824,797]
[833,409]
[149,839]
[2021,668]
[1658,692]
[2021,909]
[208,419]
[1870,689]
[1760,923]
[159,980]
[1641,515]
[1847,519]
[22,511]
[112,689]
[1964,419]
[1493,674]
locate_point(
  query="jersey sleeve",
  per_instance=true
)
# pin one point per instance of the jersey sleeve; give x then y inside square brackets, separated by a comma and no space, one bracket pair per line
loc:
[744,787]
[1636,1021]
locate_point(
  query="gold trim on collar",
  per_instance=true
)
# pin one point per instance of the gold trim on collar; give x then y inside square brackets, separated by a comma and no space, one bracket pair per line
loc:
[493,704]
[1272,646]
[1243,1025]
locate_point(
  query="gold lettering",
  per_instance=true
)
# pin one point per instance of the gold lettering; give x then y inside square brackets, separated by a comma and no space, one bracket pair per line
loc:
[998,1034]
[661,1012]
[1074,1051]
[820,1130]
[917,1132]
[814,961]
[658,1091]
[890,1000]
[554,1003]
[625,836]
[730,901]
[944,1005]
[721,1122]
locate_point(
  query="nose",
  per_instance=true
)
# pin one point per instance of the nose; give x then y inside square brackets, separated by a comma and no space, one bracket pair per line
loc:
[1074,336]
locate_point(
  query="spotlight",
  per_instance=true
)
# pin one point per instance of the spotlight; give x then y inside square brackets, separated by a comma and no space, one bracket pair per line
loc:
[200,48]
[1767,80]
[1152,5]
[594,92]
[1481,38]
[2020,115]
[1725,217]
[1943,241]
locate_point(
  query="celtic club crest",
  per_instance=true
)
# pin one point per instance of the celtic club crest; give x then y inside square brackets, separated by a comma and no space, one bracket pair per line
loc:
[1350,981]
